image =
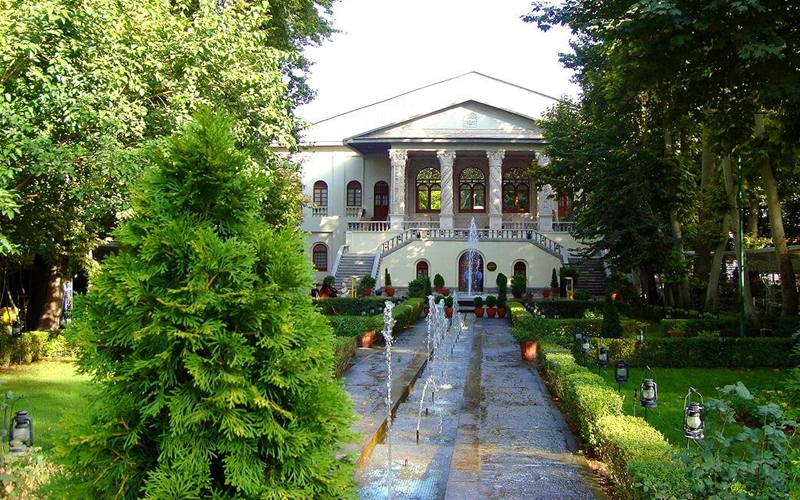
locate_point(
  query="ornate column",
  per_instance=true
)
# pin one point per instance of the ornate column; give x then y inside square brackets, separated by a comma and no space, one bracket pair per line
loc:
[545,211]
[495,188]
[446,160]
[397,209]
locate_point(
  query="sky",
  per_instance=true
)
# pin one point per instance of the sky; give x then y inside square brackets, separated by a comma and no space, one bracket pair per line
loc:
[385,48]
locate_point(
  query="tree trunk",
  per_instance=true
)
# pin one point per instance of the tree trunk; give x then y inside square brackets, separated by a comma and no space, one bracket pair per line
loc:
[675,226]
[788,284]
[731,189]
[752,219]
[649,287]
[712,299]
[50,314]
[702,249]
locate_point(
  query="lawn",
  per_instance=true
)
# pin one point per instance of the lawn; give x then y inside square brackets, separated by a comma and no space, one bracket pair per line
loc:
[51,389]
[674,383]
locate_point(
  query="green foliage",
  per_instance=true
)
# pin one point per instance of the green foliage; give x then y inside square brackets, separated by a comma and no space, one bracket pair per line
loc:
[329,280]
[491,301]
[532,328]
[448,301]
[406,314]
[502,301]
[477,302]
[355,326]
[517,313]
[23,473]
[502,289]
[419,287]
[519,285]
[554,279]
[566,308]
[387,278]
[31,346]
[438,281]
[753,462]
[350,306]
[365,282]
[612,326]
[344,351]
[214,372]
[582,295]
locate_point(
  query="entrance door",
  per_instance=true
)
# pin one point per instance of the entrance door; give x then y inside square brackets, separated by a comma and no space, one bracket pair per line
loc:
[380,209]
[563,206]
[470,268]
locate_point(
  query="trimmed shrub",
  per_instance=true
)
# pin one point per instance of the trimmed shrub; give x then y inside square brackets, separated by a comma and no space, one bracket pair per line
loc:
[517,313]
[344,350]
[405,314]
[419,287]
[355,326]
[31,346]
[612,326]
[349,306]
[641,462]
[588,398]
[567,308]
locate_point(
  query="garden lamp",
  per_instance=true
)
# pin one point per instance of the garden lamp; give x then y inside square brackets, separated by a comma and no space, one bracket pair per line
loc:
[669,313]
[721,346]
[715,315]
[649,393]
[640,337]
[621,371]
[578,337]
[586,346]
[602,357]
[21,431]
[693,421]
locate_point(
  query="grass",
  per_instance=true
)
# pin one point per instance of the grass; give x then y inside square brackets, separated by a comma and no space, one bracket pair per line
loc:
[51,389]
[674,383]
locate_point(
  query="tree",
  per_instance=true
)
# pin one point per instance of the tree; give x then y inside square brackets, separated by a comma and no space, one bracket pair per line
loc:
[214,371]
[88,85]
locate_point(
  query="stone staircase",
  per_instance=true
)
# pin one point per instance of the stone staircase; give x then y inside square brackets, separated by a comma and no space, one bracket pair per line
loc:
[592,275]
[354,264]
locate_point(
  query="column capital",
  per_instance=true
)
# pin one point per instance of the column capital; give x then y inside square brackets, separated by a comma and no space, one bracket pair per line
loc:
[446,155]
[496,157]
[398,157]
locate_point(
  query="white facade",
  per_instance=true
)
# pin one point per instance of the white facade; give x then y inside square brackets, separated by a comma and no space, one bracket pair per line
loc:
[427,162]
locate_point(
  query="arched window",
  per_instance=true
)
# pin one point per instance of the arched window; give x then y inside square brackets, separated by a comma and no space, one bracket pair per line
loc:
[515,191]
[472,190]
[519,268]
[353,194]
[320,197]
[320,256]
[422,268]
[429,190]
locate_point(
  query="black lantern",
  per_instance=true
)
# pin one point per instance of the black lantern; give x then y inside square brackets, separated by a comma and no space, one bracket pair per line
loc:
[721,346]
[621,371]
[578,337]
[21,431]
[586,346]
[669,313]
[640,337]
[649,393]
[693,421]
[602,357]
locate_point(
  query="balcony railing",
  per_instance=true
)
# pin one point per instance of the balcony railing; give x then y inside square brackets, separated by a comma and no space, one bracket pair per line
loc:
[369,226]
[353,211]
[563,227]
[319,211]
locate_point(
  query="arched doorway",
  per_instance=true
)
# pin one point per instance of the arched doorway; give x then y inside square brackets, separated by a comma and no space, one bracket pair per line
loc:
[476,272]
[380,210]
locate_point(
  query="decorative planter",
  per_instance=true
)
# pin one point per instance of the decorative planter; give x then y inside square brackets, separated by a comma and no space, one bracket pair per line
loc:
[439,289]
[546,293]
[367,292]
[478,312]
[389,290]
[554,291]
[367,339]
[445,291]
[501,312]
[527,350]
[491,312]
[448,312]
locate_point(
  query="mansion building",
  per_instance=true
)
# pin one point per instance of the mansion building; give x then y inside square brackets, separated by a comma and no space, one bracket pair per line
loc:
[396,184]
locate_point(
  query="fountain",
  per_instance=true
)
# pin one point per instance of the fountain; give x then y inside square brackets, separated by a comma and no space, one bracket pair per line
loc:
[473,261]
[388,324]
[437,329]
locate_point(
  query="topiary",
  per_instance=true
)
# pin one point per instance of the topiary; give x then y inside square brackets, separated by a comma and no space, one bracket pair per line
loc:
[612,326]
[387,278]
[417,287]
[213,370]
[554,279]
[518,285]
[438,281]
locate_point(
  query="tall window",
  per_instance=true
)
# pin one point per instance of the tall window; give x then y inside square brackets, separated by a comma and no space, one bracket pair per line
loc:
[353,194]
[519,268]
[515,191]
[429,190]
[320,256]
[422,268]
[320,198]
[472,190]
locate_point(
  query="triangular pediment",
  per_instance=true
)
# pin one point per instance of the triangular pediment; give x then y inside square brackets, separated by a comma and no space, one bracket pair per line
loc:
[466,120]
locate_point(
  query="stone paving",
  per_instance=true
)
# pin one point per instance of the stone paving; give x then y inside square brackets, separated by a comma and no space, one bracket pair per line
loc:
[492,432]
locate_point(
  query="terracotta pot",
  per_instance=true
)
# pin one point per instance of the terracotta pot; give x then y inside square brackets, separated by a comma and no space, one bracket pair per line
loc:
[445,291]
[527,350]
[478,312]
[546,292]
[389,290]
[367,292]
[501,312]
[439,289]
[323,295]
[614,295]
[554,291]
[367,339]
[491,312]
[448,312]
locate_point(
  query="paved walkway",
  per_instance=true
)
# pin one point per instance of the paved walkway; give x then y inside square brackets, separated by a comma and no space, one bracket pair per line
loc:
[492,431]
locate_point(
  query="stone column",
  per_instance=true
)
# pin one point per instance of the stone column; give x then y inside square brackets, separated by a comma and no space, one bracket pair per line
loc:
[546,209]
[397,208]
[446,160]
[495,188]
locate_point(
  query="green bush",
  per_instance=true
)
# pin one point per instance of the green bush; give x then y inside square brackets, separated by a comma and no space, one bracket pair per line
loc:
[519,285]
[502,287]
[567,308]
[349,306]
[477,302]
[517,313]
[355,326]
[588,398]
[419,287]
[641,462]
[612,326]
[581,295]
[344,350]
[31,346]
[438,281]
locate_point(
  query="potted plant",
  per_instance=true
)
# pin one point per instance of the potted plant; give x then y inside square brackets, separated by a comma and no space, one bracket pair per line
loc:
[365,285]
[438,283]
[387,283]
[448,306]
[327,286]
[554,283]
[477,303]
[518,286]
[491,306]
[445,291]
[528,335]
[501,306]
[545,292]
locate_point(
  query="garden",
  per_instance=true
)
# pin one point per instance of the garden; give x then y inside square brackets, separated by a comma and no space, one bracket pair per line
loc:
[673,407]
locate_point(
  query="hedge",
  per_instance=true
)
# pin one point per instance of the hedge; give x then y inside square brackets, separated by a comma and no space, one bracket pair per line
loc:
[344,350]
[348,306]
[33,346]
[641,462]
[517,313]
[405,315]
[701,352]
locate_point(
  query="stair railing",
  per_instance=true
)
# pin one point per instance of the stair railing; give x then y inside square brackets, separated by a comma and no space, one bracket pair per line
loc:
[338,259]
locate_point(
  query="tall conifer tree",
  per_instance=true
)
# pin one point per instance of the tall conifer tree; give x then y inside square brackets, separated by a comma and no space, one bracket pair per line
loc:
[215,372]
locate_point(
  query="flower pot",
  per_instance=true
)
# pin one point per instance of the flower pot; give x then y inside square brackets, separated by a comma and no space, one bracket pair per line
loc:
[554,291]
[527,350]
[546,292]
[491,312]
[478,312]
[614,295]
[439,289]
[501,312]
[367,292]
[445,291]
[448,312]
[389,290]
[367,339]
